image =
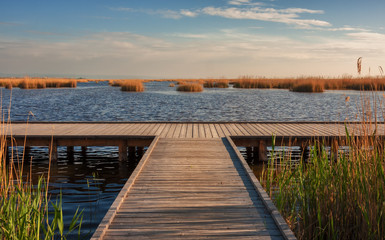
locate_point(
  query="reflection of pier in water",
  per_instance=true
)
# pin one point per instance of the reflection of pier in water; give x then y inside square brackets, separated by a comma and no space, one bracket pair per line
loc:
[192,181]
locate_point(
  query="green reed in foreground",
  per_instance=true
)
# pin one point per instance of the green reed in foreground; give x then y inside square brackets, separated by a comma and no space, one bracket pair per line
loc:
[26,212]
[343,198]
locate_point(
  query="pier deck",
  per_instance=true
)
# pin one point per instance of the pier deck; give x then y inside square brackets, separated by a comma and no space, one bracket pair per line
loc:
[192,182]
[192,189]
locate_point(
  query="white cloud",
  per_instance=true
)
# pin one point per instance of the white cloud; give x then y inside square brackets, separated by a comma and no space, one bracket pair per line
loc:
[368,36]
[288,16]
[253,11]
[188,13]
[243,2]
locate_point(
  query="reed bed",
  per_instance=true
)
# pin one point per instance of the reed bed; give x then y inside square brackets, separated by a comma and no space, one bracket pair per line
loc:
[336,196]
[190,87]
[36,83]
[312,84]
[129,85]
[216,83]
[26,211]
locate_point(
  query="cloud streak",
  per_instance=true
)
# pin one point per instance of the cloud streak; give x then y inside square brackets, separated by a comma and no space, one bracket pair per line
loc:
[287,16]
[244,9]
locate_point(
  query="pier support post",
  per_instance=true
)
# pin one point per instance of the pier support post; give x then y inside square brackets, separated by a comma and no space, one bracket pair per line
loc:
[84,151]
[262,151]
[70,152]
[27,153]
[53,151]
[249,153]
[334,150]
[139,151]
[304,152]
[131,153]
[6,153]
[123,152]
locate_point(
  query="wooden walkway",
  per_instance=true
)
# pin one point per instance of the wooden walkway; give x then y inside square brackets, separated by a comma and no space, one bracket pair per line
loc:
[189,129]
[192,182]
[192,189]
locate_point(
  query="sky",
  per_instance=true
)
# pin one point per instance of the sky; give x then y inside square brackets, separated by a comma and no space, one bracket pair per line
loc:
[191,38]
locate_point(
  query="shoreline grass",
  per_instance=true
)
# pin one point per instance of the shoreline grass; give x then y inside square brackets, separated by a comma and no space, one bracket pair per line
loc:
[299,84]
[26,211]
[333,197]
[216,83]
[38,83]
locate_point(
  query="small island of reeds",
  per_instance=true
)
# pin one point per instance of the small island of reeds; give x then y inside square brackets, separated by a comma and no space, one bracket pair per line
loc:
[128,85]
[190,87]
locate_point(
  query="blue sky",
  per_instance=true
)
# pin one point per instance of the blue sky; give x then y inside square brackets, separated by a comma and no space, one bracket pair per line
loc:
[195,38]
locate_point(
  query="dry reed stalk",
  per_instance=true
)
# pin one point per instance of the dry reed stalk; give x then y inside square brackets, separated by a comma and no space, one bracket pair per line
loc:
[359,65]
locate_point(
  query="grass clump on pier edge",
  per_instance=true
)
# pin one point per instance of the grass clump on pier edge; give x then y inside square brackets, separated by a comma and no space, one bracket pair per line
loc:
[190,87]
[341,197]
[26,211]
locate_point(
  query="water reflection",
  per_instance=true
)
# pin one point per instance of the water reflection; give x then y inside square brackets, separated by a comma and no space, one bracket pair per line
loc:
[90,183]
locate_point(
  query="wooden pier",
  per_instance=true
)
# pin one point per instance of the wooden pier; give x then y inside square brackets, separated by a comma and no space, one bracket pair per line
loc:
[192,182]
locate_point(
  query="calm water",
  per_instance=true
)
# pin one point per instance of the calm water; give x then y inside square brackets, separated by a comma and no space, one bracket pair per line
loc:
[99,102]
[92,182]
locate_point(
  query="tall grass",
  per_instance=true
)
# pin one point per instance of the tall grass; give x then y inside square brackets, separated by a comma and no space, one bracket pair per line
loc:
[216,83]
[190,87]
[312,84]
[129,85]
[26,211]
[333,197]
[34,83]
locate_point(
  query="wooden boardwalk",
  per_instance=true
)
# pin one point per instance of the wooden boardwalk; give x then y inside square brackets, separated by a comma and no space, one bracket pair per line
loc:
[192,189]
[192,183]
[189,129]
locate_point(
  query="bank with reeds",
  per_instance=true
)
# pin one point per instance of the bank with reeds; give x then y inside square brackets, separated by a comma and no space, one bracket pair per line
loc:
[332,196]
[26,208]
[38,83]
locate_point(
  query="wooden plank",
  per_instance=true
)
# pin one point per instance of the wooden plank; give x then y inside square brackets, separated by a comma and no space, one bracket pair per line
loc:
[171,131]
[195,131]
[189,133]
[177,130]
[183,131]
[214,131]
[201,131]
